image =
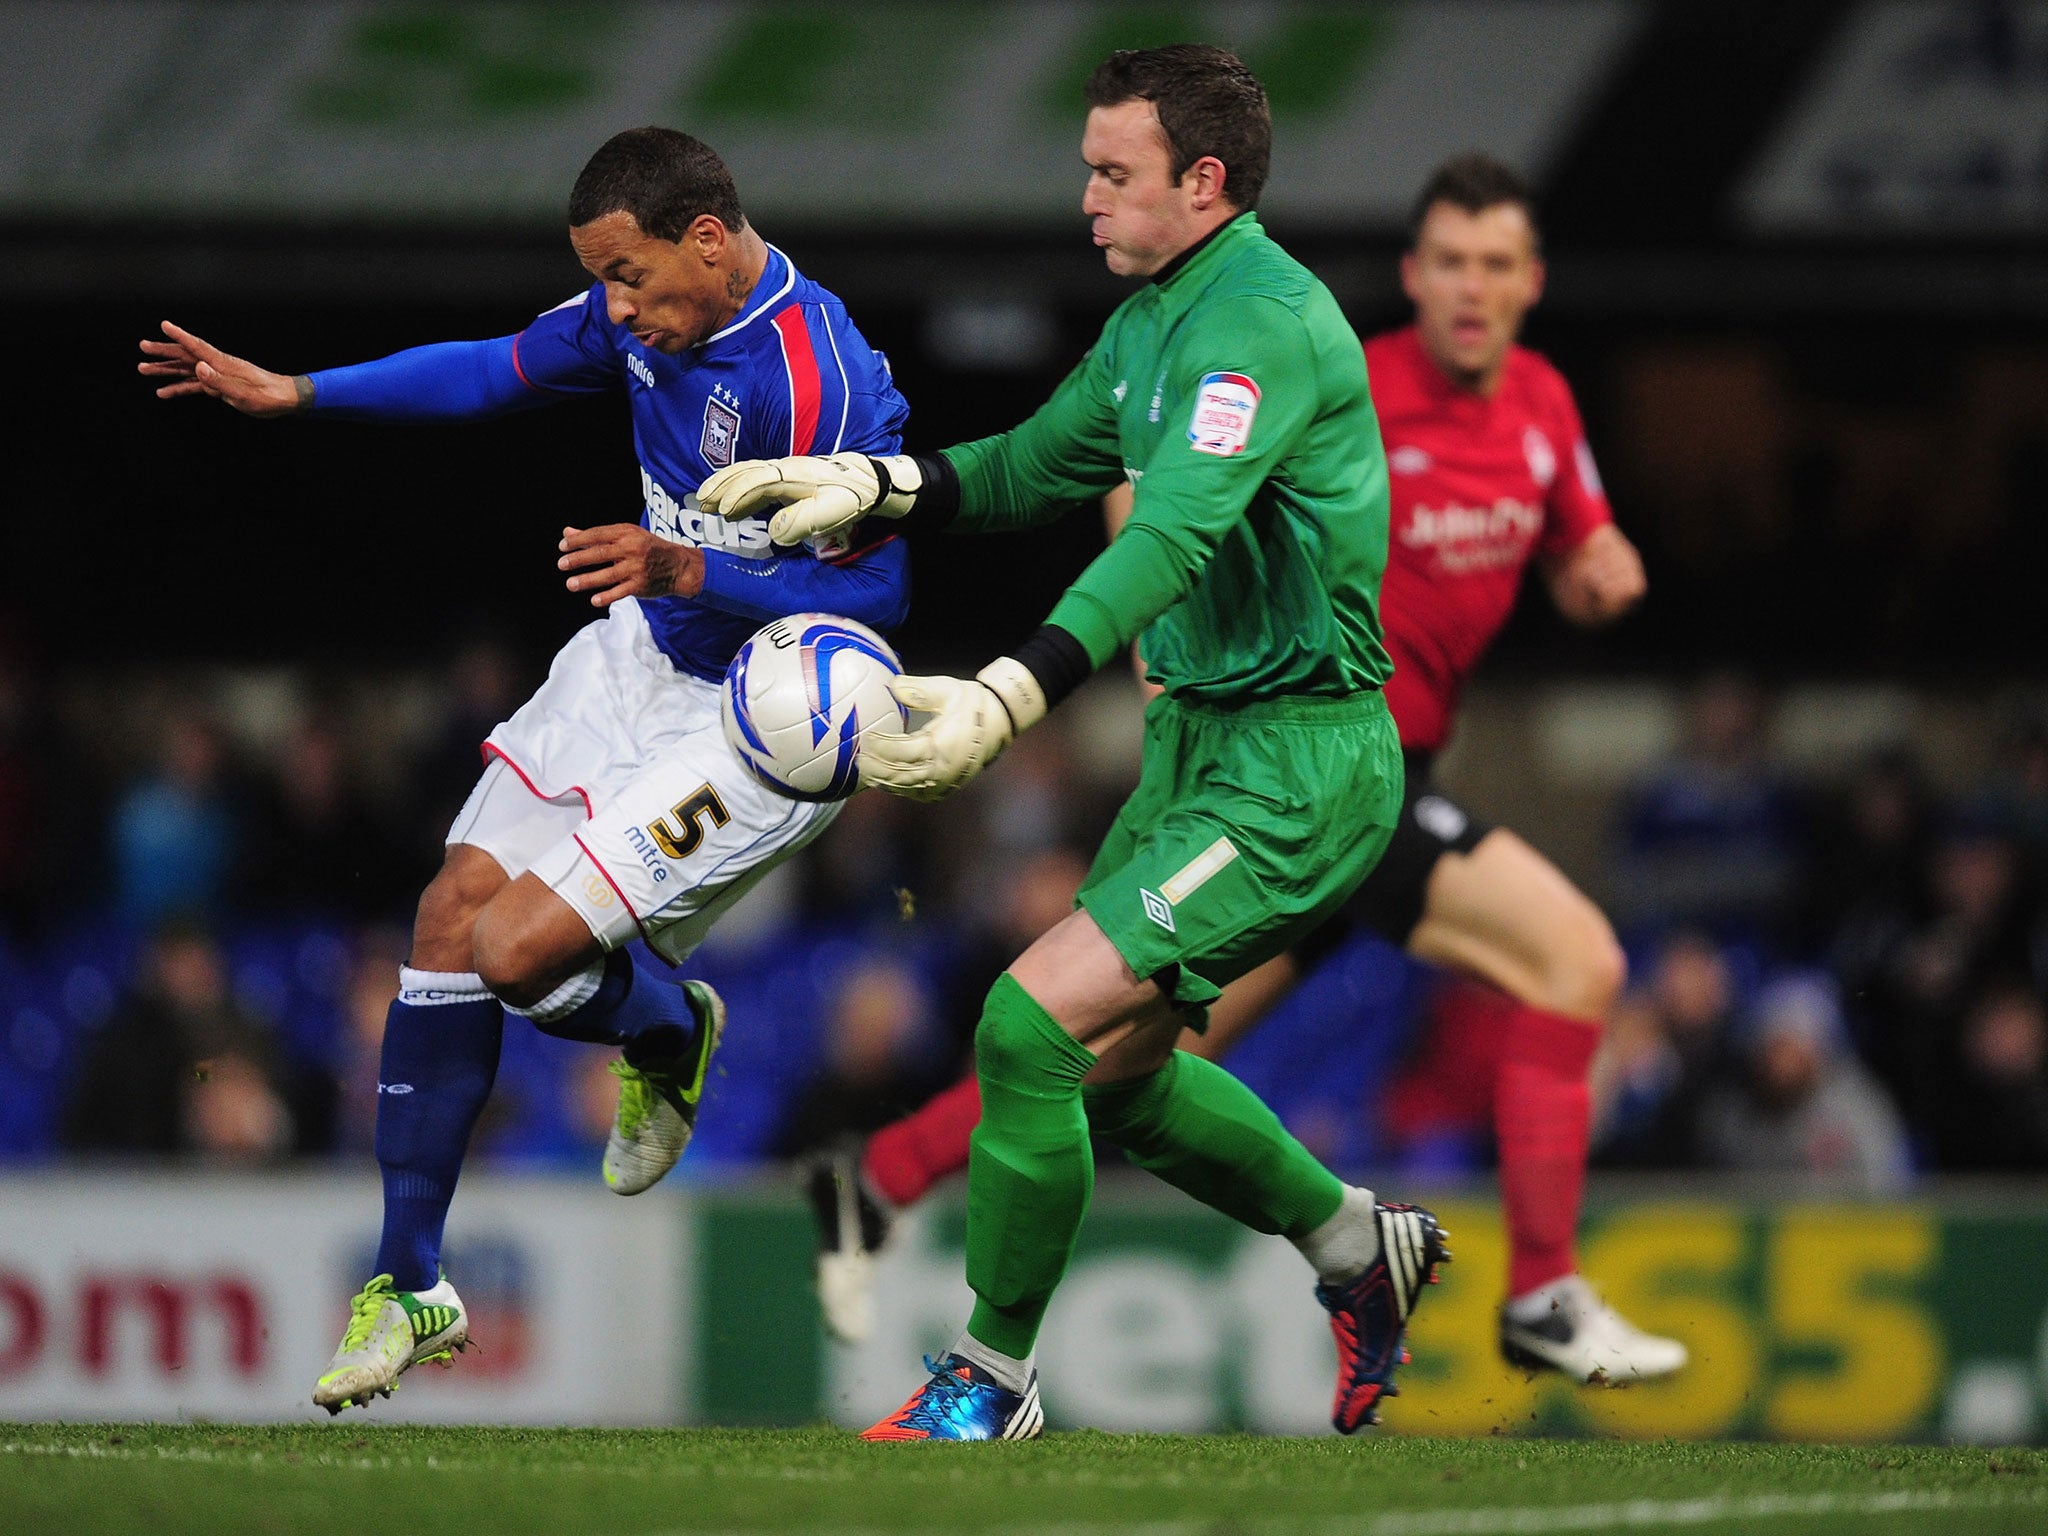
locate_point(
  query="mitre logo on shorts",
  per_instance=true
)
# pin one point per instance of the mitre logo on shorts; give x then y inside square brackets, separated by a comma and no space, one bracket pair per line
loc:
[721,431]
[1224,406]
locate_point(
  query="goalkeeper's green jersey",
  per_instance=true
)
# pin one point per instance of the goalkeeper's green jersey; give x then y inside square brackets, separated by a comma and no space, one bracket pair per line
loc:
[1232,394]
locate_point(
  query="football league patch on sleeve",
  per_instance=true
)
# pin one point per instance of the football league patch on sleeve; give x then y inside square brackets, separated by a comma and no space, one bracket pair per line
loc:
[1224,406]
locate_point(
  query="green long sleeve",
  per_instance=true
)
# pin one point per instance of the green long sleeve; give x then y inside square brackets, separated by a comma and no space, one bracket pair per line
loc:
[1233,396]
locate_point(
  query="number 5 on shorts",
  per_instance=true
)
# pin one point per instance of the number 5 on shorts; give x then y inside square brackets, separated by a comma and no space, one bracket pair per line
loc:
[692,811]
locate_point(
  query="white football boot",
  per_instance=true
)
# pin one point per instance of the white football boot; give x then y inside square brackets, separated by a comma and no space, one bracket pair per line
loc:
[389,1332]
[1565,1326]
[658,1103]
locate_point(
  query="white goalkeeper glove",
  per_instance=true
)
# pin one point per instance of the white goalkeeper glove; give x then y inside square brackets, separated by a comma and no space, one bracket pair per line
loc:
[971,720]
[816,495]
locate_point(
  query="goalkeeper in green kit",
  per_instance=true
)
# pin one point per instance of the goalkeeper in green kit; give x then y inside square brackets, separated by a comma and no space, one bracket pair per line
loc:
[1232,394]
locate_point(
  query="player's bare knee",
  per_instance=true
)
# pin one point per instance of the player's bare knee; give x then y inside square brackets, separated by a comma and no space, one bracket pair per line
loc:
[509,960]
[1589,973]
[528,942]
[441,927]
[447,913]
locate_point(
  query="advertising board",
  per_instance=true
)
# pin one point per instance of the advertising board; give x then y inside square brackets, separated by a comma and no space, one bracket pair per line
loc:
[163,1296]
[1806,1321]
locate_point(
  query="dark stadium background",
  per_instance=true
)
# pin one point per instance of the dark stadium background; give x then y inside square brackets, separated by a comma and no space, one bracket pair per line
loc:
[192,535]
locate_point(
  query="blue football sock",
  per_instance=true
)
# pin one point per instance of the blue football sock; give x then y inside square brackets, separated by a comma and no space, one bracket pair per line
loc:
[440,1057]
[620,1001]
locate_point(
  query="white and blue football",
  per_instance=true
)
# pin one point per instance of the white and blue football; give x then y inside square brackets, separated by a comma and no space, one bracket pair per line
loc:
[799,696]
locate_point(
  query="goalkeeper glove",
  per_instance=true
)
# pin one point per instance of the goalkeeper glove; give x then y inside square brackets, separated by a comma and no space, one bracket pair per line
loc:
[970,721]
[817,495]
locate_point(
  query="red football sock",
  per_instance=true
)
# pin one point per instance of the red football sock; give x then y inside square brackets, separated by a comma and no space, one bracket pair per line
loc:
[1542,1111]
[908,1156]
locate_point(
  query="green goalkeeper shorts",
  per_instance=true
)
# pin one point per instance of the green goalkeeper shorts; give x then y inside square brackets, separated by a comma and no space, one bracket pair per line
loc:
[1249,826]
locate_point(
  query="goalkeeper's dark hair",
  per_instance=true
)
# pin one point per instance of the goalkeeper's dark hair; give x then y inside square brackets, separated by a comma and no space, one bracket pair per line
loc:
[1474,182]
[1208,104]
[665,179]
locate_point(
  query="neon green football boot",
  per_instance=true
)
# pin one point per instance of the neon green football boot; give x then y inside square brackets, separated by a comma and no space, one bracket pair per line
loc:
[658,1102]
[389,1332]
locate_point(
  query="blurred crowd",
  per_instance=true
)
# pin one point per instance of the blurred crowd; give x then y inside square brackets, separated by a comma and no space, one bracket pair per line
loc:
[205,895]
[1842,977]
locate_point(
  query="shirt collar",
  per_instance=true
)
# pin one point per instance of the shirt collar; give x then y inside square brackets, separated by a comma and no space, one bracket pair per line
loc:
[778,276]
[1190,256]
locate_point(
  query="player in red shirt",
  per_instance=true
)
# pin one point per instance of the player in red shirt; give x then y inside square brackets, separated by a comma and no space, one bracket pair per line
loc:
[1489,474]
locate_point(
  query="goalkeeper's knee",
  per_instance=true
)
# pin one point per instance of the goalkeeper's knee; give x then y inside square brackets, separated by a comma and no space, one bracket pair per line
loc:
[1019,1044]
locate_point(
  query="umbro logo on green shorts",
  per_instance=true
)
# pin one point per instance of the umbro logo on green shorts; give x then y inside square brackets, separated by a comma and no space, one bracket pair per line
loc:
[1158,908]
[1185,881]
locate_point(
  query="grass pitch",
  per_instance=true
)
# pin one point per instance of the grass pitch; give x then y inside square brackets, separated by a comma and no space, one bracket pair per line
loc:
[215,1480]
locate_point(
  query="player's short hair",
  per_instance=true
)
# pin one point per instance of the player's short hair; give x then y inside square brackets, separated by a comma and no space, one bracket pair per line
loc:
[1208,104]
[1474,182]
[665,179]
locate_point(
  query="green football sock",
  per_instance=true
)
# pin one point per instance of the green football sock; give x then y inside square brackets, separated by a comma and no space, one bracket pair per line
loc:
[1201,1130]
[1029,1170]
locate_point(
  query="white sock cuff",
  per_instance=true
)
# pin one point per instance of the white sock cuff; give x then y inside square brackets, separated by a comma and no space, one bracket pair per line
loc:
[438,989]
[567,998]
[1342,1247]
[1009,1372]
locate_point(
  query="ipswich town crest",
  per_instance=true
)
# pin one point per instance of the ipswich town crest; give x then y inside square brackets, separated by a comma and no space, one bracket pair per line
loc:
[721,430]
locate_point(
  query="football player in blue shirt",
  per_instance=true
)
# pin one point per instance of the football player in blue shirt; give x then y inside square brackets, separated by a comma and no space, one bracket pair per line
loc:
[610,807]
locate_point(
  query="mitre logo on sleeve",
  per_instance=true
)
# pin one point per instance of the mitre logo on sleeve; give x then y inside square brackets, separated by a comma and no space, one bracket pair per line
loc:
[1224,406]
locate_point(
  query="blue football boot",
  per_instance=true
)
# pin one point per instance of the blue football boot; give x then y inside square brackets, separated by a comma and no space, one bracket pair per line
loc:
[1369,1315]
[960,1402]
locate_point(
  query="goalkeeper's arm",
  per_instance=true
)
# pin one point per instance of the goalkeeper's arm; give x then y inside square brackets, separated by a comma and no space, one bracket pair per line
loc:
[1066,452]
[824,495]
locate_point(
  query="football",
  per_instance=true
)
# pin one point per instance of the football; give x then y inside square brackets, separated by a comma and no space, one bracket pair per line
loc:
[799,696]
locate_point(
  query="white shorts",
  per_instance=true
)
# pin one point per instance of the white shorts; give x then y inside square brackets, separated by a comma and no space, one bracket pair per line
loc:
[614,785]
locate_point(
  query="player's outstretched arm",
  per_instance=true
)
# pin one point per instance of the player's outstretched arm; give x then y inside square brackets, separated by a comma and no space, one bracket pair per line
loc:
[442,381]
[815,495]
[1599,580]
[196,367]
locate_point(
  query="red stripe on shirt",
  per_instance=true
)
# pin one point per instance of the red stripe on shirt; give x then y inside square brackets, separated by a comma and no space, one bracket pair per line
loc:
[859,554]
[805,387]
